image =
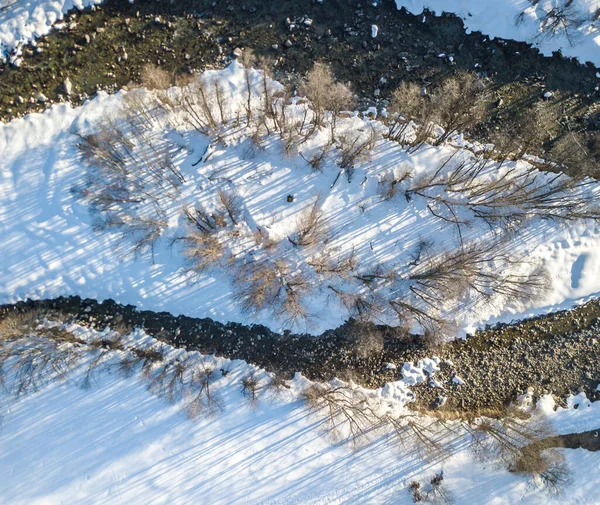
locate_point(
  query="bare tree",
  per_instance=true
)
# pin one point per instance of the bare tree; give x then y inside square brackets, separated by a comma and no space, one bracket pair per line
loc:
[562,18]
[202,398]
[341,266]
[311,227]
[130,175]
[273,286]
[353,148]
[388,186]
[408,103]
[250,388]
[509,199]
[433,491]
[459,103]
[317,158]
[536,126]
[347,411]
[579,153]
[325,93]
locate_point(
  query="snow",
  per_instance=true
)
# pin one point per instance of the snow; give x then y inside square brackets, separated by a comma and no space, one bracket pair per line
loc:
[50,247]
[520,20]
[22,21]
[116,442]
[458,381]
[578,415]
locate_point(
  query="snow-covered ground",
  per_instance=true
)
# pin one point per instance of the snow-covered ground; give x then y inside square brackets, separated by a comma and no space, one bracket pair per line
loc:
[49,246]
[527,21]
[22,21]
[116,442]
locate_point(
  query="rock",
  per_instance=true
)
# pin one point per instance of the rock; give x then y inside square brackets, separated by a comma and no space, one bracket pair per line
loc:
[288,43]
[41,98]
[237,52]
[67,87]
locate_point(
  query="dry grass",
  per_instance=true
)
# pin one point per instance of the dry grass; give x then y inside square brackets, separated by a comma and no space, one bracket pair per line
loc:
[154,77]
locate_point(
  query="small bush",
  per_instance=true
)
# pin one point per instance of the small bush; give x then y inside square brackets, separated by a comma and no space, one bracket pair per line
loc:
[311,227]
[407,104]
[250,388]
[154,77]
[459,103]
[355,147]
[579,152]
[325,93]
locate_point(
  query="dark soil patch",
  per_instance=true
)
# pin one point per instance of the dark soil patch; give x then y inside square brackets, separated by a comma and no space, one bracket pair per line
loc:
[588,440]
[558,353]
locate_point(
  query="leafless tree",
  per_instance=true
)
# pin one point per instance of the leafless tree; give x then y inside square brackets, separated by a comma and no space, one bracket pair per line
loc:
[248,59]
[347,411]
[535,127]
[250,388]
[202,398]
[459,103]
[579,153]
[562,19]
[433,491]
[355,147]
[275,286]
[31,362]
[341,266]
[318,157]
[325,93]
[130,174]
[388,186]
[408,103]
[509,199]
[311,227]
[361,305]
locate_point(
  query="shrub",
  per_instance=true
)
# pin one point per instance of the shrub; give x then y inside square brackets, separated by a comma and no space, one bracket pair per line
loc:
[154,77]
[408,103]
[355,147]
[311,227]
[250,388]
[273,286]
[347,411]
[459,103]
[325,93]
[579,153]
